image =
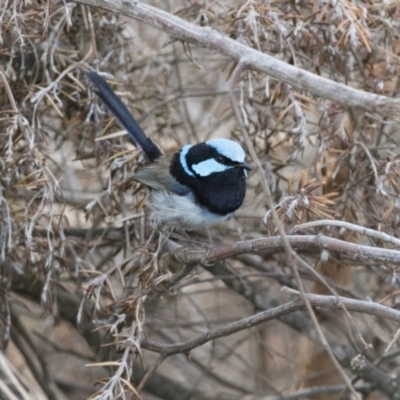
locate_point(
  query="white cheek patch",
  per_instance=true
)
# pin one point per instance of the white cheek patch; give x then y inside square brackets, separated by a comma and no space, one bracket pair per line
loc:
[209,167]
[228,148]
[182,159]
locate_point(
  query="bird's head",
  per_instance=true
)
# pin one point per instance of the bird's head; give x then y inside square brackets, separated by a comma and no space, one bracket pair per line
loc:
[213,157]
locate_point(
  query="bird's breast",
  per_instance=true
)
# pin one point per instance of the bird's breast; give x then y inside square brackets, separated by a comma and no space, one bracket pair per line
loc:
[221,193]
[181,212]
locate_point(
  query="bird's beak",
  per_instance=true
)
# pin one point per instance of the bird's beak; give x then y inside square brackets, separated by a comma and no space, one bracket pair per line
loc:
[245,166]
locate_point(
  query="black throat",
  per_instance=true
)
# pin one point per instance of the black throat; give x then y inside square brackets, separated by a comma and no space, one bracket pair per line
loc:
[221,193]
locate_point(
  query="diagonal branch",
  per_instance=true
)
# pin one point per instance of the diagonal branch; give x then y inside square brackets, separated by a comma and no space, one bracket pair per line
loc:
[361,306]
[251,59]
[224,330]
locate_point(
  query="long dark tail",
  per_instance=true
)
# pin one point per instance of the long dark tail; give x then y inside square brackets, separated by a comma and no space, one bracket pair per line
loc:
[118,109]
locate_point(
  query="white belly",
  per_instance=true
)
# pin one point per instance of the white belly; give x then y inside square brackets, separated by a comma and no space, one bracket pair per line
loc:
[180,212]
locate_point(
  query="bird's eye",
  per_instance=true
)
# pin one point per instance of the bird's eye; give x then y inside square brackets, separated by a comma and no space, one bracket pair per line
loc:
[220,159]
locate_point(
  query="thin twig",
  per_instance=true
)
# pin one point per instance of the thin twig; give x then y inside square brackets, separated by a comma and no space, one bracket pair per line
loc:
[224,330]
[337,302]
[334,302]
[353,227]
[289,252]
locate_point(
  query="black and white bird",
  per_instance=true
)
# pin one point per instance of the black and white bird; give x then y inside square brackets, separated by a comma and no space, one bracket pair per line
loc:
[199,185]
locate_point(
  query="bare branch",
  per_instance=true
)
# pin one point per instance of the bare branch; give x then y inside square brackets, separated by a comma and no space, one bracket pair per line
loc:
[337,302]
[307,242]
[277,312]
[252,59]
[353,227]
[229,329]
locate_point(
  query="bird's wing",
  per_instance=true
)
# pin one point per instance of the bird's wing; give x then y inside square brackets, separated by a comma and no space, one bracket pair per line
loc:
[157,176]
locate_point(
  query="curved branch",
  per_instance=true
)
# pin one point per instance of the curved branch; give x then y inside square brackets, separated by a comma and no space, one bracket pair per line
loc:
[252,59]
[299,242]
[361,306]
[352,227]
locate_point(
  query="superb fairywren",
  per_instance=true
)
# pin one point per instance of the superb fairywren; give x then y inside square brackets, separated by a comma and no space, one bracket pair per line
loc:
[199,185]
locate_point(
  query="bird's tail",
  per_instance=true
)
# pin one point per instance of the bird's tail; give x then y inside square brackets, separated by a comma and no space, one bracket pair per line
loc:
[118,109]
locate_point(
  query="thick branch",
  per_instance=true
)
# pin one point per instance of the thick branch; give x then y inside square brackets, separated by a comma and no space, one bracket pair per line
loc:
[307,242]
[250,58]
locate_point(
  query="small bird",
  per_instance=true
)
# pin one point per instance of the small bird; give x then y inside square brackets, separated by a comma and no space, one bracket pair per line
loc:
[197,186]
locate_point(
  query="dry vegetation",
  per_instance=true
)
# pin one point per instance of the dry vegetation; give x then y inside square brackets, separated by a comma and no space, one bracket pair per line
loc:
[95,303]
